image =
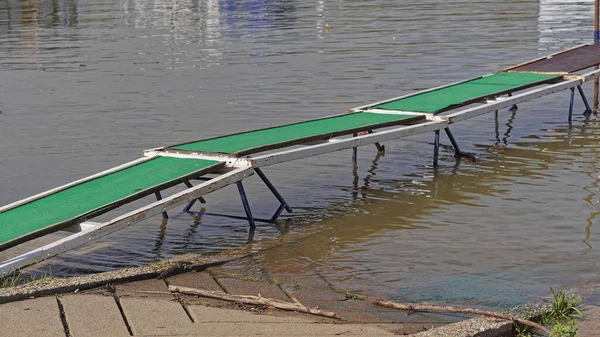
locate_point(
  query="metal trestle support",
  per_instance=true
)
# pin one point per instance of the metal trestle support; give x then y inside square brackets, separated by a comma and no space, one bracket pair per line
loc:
[588,110]
[283,205]
[436,146]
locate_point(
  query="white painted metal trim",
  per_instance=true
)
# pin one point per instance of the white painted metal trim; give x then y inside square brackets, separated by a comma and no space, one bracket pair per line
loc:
[229,161]
[590,76]
[77,182]
[96,231]
[396,112]
[310,151]
[88,225]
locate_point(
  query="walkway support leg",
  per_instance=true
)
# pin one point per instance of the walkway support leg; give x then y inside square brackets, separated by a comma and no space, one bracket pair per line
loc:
[273,190]
[354,150]
[571,104]
[380,147]
[159,197]
[246,204]
[436,147]
[514,106]
[458,153]
[191,203]
[588,110]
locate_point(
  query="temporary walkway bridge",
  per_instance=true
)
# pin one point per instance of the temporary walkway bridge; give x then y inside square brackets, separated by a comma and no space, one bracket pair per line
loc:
[218,162]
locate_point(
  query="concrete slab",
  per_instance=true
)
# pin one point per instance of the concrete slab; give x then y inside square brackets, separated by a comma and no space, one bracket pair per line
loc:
[239,287]
[203,314]
[201,280]
[133,289]
[590,325]
[289,329]
[317,298]
[156,316]
[365,311]
[93,315]
[35,317]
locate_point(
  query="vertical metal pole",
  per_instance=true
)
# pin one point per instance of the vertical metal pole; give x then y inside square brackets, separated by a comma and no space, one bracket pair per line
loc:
[159,197]
[436,147]
[514,106]
[497,127]
[246,205]
[588,110]
[354,150]
[571,104]
[453,141]
[272,188]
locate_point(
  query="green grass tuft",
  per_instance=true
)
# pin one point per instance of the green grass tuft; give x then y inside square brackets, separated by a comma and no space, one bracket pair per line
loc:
[564,307]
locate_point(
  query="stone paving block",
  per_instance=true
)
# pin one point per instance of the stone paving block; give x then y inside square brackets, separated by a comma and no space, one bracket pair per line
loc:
[132,289]
[93,315]
[239,287]
[156,316]
[36,317]
[203,314]
[195,280]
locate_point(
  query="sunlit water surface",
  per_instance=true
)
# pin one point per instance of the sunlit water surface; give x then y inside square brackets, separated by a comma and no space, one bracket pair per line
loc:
[86,85]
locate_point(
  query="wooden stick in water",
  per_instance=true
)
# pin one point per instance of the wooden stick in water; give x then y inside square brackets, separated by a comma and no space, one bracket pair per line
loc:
[431,307]
[253,300]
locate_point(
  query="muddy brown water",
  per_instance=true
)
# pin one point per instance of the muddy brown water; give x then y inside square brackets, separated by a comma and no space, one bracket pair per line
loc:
[86,85]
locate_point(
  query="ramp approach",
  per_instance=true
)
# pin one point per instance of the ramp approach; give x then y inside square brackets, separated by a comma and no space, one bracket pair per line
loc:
[215,163]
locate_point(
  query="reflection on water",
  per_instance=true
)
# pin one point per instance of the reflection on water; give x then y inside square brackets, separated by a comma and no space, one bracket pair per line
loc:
[564,21]
[86,85]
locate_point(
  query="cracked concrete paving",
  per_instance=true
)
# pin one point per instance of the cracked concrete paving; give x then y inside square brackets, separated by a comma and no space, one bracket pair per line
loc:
[147,308]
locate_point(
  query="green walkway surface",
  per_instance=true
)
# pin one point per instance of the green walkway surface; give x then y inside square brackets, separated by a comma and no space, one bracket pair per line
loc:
[460,94]
[95,197]
[286,135]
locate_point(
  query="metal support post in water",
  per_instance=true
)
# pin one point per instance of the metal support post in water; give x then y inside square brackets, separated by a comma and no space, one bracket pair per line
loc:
[191,203]
[354,150]
[273,190]
[159,197]
[596,40]
[453,141]
[514,106]
[436,147]
[571,104]
[588,110]
[246,205]
[380,147]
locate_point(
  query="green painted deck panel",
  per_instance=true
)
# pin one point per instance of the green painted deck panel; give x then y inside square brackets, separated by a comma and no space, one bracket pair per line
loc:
[258,138]
[438,100]
[94,194]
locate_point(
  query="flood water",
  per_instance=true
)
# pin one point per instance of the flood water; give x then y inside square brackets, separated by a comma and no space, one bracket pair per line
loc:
[86,85]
